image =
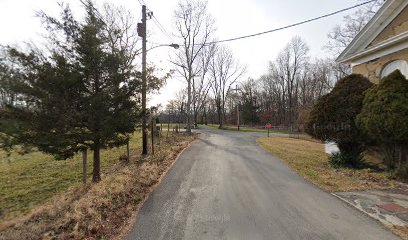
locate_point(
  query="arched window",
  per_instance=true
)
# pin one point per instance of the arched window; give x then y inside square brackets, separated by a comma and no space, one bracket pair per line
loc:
[394,65]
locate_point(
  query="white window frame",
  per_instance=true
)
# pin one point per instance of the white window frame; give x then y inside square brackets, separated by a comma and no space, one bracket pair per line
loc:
[390,67]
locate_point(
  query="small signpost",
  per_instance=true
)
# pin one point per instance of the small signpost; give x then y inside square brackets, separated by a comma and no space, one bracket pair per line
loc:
[268,126]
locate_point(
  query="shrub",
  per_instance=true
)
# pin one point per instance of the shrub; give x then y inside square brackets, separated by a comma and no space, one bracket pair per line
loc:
[333,117]
[384,116]
[402,171]
[302,118]
[345,160]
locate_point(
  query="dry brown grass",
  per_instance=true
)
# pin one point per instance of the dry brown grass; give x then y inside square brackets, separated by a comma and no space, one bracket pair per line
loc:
[400,231]
[309,160]
[102,210]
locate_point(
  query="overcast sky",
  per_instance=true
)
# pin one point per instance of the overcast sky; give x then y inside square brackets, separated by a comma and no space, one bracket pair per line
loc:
[232,19]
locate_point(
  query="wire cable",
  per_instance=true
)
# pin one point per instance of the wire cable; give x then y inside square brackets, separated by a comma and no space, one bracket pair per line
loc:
[288,26]
[141,2]
[158,24]
[97,13]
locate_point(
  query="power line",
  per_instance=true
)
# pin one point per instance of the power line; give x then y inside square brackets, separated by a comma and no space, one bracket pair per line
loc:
[289,26]
[99,15]
[156,21]
[141,2]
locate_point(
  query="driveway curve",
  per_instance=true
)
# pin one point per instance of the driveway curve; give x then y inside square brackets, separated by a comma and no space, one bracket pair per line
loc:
[227,187]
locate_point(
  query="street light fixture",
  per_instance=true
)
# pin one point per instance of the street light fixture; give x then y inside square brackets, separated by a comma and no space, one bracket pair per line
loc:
[173,45]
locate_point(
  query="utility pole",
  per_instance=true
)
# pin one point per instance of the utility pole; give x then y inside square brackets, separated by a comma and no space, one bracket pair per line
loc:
[238,115]
[236,91]
[141,30]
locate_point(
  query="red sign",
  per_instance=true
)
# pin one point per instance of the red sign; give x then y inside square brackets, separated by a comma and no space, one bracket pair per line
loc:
[268,125]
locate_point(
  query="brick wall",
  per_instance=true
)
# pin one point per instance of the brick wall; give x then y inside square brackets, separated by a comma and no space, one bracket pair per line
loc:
[372,69]
[397,26]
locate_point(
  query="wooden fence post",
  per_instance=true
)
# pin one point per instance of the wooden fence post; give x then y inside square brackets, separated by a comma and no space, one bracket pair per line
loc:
[168,129]
[84,165]
[152,137]
[127,151]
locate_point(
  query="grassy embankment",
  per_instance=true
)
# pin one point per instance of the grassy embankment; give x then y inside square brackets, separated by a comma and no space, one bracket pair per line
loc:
[56,205]
[310,161]
[248,129]
[29,180]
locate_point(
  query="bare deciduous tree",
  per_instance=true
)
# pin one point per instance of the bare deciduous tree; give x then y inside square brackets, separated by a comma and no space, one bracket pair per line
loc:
[201,83]
[121,32]
[225,71]
[342,34]
[290,66]
[292,84]
[194,26]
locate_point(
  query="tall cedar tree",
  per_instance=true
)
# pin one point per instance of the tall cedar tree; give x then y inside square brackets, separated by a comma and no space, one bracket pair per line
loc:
[249,111]
[81,94]
[333,116]
[384,116]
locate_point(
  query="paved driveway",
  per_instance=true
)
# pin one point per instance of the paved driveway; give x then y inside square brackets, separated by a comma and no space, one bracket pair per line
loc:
[227,187]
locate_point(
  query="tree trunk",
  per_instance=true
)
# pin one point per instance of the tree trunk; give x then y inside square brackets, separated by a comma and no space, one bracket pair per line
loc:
[84,165]
[96,177]
[188,130]
[219,116]
[195,119]
[127,151]
[402,155]
[390,157]
[205,117]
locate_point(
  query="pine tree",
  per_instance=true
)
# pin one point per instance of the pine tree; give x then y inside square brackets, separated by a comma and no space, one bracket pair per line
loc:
[82,94]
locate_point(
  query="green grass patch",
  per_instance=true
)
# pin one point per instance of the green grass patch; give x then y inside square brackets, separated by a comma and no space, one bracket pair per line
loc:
[29,180]
[103,210]
[310,161]
[171,126]
[248,129]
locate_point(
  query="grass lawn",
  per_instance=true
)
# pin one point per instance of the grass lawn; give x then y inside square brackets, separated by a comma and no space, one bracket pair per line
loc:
[29,180]
[171,126]
[105,210]
[310,161]
[248,129]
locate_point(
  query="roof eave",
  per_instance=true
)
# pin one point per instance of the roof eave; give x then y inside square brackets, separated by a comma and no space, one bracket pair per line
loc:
[401,38]
[362,36]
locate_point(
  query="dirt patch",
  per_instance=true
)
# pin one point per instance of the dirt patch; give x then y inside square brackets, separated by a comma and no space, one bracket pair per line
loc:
[103,210]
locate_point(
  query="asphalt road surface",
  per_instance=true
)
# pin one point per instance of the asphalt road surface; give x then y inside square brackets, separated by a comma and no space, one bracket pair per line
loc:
[227,187]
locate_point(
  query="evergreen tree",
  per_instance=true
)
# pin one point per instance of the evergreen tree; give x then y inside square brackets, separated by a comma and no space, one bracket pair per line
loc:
[333,117]
[249,111]
[384,116]
[81,94]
